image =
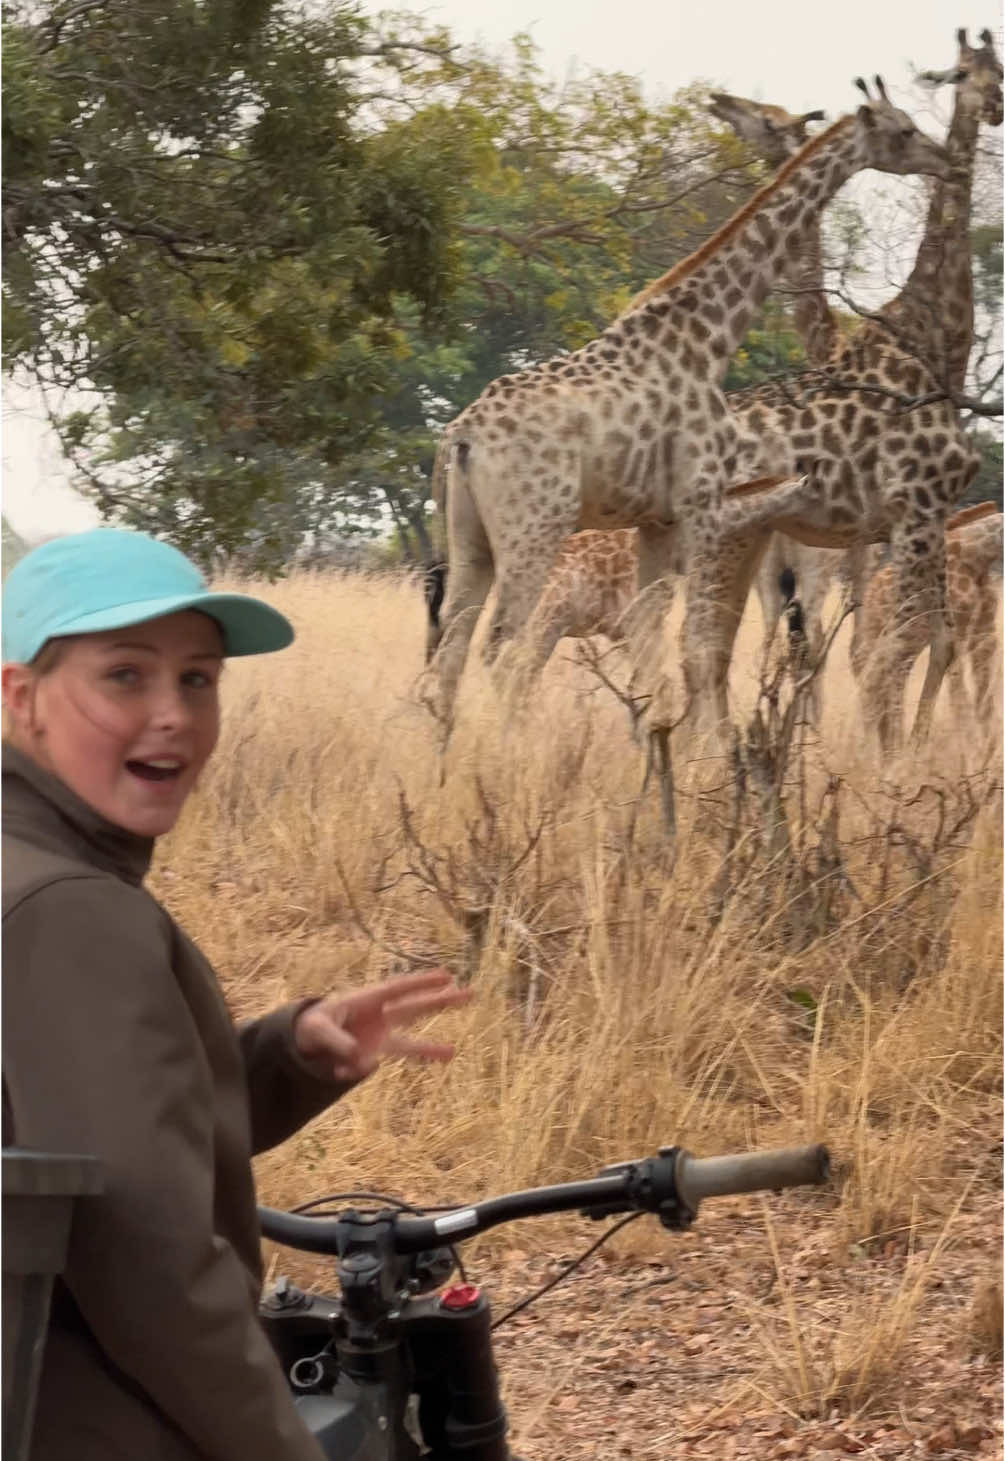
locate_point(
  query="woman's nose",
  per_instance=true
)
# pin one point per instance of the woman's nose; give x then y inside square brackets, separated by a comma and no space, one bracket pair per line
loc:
[171,710]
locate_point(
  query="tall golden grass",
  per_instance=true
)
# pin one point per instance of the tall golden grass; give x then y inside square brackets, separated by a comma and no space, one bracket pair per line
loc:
[621,1003]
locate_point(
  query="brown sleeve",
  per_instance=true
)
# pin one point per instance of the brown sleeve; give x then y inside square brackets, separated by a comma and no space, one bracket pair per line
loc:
[283,1092]
[101,1056]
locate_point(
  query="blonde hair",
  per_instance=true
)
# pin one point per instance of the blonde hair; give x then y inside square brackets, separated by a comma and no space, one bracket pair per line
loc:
[47,659]
[50,654]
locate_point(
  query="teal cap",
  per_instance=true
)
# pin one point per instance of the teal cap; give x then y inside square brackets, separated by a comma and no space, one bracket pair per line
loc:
[109,578]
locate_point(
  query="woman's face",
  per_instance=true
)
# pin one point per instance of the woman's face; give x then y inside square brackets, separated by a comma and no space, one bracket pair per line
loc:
[126,718]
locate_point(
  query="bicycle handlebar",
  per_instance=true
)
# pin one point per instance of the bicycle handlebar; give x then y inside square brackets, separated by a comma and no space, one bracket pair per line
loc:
[674,1180]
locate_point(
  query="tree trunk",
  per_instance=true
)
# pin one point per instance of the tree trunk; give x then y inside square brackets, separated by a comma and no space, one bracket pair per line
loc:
[400,522]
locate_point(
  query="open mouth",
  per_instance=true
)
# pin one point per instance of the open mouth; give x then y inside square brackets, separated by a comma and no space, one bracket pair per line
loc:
[155,770]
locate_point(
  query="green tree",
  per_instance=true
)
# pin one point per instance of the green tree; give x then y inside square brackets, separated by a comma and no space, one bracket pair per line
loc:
[987,484]
[986,359]
[208,230]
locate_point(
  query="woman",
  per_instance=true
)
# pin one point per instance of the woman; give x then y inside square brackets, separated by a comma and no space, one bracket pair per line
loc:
[116,1038]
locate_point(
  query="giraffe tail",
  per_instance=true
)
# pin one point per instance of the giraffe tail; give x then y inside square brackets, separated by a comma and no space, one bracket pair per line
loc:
[434,584]
[791,607]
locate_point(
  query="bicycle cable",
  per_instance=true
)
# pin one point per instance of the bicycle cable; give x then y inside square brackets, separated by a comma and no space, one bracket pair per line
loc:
[307,1208]
[315,1208]
[570,1268]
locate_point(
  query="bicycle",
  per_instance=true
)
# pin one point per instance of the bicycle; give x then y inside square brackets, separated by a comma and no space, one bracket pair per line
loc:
[389,1371]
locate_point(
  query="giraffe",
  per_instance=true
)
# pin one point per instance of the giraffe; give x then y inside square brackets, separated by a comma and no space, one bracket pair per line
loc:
[973,566]
[591,583]
[792,575]
[889,459]
[633,429]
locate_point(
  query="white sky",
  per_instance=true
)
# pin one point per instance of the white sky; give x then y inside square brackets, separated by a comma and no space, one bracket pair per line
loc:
[789,52]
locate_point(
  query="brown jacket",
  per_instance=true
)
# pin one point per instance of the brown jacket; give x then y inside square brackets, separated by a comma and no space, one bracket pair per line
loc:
[117,1042]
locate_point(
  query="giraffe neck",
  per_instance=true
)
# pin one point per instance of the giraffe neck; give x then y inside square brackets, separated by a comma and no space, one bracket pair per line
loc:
[934,313]
[712,296]
[982,544]
[814,318]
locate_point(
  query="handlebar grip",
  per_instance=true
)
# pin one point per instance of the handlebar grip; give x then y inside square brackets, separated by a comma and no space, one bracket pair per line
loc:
[698,1177]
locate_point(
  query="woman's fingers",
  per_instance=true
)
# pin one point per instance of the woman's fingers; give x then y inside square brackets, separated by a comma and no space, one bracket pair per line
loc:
[318,1034]
[413,1007]
[405,984]
[417,1049]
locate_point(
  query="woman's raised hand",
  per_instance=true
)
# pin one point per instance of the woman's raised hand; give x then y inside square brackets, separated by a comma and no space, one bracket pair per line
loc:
[345,1036]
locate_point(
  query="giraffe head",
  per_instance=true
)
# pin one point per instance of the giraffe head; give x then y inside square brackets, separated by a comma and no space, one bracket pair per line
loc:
[978,75]
[889,141]
[984,74]
[774,133]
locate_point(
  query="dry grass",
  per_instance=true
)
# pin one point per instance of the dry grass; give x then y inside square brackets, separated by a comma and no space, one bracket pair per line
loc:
[622,1003]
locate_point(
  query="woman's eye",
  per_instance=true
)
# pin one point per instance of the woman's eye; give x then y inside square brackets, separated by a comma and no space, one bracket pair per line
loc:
[124,675]
[198,680]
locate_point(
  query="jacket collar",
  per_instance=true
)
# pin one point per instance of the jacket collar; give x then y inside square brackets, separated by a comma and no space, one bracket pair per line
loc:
[43,810]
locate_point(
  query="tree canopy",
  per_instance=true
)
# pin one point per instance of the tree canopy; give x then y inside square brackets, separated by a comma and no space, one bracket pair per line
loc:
[269,251]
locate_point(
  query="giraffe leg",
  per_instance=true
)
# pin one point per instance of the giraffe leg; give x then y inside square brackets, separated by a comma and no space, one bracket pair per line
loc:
[983,643]
[957,681]
[983,654]
[547,626]
[656,553]
[819,570]
[769,593]
[854,576]
[717,590]
[940,636]
[874,612]
[640,623]
[917,615]
[521,582]
[469,581]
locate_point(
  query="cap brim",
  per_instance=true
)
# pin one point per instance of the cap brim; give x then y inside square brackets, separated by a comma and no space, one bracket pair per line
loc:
[249,625]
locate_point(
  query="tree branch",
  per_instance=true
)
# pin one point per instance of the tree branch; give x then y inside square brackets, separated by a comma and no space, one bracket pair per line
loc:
[58,23]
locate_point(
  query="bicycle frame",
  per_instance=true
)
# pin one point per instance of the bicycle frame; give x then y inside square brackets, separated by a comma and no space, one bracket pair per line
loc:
[379,1368]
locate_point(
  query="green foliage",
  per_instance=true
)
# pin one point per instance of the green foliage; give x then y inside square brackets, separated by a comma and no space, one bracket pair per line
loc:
[771,347]
[206,229]
[986,247]
[987,483]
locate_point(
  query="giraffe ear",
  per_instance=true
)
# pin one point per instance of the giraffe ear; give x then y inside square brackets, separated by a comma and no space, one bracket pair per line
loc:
[813,117]
[986,38]
[867,117]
